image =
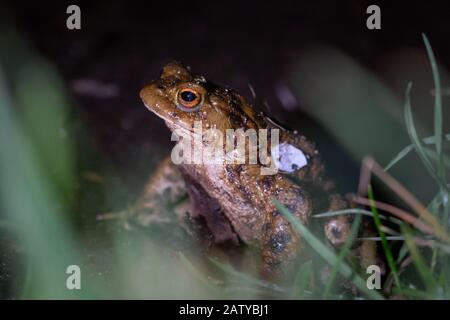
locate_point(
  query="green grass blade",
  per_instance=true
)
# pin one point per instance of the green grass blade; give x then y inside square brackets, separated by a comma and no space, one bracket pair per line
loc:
[242,277]
[433,155]
[416,141]
[403,153]
[355,211]
[406,150]
[326,253]
[402,254]
[423,270]
[301,279]
[390,238]
[438,132]
[437,107]
[386,248]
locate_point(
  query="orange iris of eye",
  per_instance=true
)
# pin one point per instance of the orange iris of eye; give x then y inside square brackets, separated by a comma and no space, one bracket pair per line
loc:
[188,98]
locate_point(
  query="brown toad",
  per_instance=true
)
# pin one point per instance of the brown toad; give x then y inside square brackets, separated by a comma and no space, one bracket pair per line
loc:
[235,199]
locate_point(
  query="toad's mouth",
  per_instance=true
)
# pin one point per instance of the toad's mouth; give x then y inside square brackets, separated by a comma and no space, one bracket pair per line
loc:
[171,123]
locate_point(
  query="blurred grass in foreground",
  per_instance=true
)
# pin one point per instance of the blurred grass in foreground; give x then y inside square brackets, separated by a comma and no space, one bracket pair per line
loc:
[422,267]
[36,169]
[40,207]
[40,201]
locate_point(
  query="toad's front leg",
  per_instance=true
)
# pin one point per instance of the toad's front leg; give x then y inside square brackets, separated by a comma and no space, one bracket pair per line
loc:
[281,244]
[164,198]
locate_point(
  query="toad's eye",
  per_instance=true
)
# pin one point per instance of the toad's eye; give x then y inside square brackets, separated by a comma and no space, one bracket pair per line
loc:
[189,99]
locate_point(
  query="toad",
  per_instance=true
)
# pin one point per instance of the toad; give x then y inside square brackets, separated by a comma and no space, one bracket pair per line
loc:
[236,198]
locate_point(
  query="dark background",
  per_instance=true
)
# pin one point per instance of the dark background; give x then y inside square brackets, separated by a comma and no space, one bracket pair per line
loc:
[124,44]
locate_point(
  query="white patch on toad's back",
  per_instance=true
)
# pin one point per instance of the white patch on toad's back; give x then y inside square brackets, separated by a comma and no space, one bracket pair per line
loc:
[288,158]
